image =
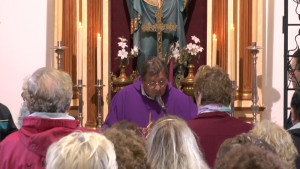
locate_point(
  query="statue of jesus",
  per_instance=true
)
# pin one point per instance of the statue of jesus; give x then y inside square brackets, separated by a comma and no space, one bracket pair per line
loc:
[142,12]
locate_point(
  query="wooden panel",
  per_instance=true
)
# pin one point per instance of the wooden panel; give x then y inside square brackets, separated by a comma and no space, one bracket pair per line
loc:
[245,60]
[69,34]
[94,26]
[220,27]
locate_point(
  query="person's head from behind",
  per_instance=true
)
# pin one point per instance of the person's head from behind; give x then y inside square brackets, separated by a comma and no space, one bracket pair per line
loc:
[249,157]
[48,90]
[294,70]
[295,107]
[129,146]
[172,145]
[126,125]
[154,75]
[242,140]
[278,138]
[82,150]
[212,86]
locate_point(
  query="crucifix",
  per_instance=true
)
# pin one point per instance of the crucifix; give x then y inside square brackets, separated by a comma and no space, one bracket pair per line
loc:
[159,27]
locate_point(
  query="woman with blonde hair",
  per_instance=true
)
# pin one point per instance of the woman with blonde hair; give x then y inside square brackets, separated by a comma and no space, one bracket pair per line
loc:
[172,145]
[279,139]
[81,150]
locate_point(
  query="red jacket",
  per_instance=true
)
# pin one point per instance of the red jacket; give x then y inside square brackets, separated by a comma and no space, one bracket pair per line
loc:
[212,129]
[26,148]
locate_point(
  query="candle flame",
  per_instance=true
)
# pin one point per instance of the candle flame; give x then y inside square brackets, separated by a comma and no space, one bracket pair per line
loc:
[214,36]
[98,36]
[232,26]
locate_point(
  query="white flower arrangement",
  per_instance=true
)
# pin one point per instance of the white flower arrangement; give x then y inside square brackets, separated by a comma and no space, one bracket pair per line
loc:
[123,54]
[187,53]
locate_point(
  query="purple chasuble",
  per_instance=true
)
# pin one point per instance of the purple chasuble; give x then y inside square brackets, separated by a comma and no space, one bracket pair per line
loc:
[129,104]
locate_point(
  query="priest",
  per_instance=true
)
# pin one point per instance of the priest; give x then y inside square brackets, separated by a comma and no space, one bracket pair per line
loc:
[149,98]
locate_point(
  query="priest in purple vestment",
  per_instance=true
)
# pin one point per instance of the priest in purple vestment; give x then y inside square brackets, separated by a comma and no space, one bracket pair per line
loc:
[136,103]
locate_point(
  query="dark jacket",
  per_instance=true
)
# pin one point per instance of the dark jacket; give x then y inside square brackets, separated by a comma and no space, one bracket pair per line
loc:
[7,125]
[296,138]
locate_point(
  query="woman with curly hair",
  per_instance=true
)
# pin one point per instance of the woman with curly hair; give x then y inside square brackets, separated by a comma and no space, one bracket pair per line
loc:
[129,145]
[247,151]
[278,138]
[249,157]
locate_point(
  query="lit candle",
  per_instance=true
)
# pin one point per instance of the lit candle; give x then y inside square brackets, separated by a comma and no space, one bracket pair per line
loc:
[214,51]
[79,48]
[98,56]
[232,53]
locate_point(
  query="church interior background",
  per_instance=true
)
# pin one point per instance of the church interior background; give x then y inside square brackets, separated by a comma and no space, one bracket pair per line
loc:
[110,19]
[223,14]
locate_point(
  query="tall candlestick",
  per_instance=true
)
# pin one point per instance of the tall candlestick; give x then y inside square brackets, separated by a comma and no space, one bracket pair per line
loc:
[79,42]
[214,51]
[99,56]
[232,53]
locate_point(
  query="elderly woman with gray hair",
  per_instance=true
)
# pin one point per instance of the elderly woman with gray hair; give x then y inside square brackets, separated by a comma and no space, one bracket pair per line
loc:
[47,94]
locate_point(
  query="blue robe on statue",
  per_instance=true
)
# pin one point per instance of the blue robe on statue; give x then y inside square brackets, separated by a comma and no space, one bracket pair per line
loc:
[129,104]
[143,12]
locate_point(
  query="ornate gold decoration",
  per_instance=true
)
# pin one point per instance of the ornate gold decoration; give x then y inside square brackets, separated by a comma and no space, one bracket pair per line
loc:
[154,2]
[185,3]
[120,82]
[188,82]
[134,24]
[159,27]
[244,95]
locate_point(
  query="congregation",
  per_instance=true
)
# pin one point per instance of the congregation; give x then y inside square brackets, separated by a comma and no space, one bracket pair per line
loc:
[140,135]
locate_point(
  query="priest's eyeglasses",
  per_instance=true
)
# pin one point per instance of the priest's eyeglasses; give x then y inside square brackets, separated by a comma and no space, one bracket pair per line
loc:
[161,83]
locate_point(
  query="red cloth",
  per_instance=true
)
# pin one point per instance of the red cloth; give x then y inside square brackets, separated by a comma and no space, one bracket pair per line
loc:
[27,147]
[212,129]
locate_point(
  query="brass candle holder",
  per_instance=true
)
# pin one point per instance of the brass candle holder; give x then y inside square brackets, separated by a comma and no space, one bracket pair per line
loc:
[80,86]
[99,87]
[59,49]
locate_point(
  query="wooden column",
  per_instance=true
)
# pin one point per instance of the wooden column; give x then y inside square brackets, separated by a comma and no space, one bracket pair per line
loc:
[245,59]
[94,26]
[220,27]
[69,34]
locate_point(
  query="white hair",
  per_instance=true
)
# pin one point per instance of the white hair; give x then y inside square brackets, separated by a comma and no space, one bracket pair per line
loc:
[80,150]
[172,145]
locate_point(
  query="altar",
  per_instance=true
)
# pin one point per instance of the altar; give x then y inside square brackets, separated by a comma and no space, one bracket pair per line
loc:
[111,20]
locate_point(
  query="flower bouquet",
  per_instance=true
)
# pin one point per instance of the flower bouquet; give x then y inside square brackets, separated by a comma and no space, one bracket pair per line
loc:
[178,60]
[187,54]
[123,55]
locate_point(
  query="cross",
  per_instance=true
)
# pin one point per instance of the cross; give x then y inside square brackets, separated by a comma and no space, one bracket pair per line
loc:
[159,27]
[146,131]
